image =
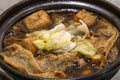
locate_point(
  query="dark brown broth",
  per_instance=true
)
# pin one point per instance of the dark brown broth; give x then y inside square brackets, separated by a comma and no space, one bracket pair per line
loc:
[76,70]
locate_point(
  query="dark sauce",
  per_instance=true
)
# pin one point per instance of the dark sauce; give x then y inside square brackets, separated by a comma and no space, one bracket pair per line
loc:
[77,70]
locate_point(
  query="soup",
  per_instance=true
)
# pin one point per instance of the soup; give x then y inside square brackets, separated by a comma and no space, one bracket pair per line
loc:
[61,45]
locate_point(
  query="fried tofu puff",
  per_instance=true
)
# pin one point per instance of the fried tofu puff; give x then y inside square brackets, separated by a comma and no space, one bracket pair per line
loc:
[86,16]
[37,20]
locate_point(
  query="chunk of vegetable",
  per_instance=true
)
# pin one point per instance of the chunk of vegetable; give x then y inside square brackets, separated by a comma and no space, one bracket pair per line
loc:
[40,44]
[85,48]
[58,40]
[82,28]
[66,48]
[45,33]
[38,34]
[58,28]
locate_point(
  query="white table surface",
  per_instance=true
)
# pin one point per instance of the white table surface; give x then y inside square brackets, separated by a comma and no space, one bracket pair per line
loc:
[4,4]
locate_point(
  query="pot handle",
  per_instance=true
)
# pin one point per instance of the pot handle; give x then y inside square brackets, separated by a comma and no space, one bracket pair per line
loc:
[5,75]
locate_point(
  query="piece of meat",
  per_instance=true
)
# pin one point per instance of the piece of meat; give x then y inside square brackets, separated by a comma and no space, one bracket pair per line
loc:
[107,36]
[27,43]
[86,16]
[51,62]
[37,20]
[21,59]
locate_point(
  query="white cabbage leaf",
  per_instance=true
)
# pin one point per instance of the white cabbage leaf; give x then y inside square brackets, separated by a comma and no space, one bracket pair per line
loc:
[57,39]
[84,47]
[82,28]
